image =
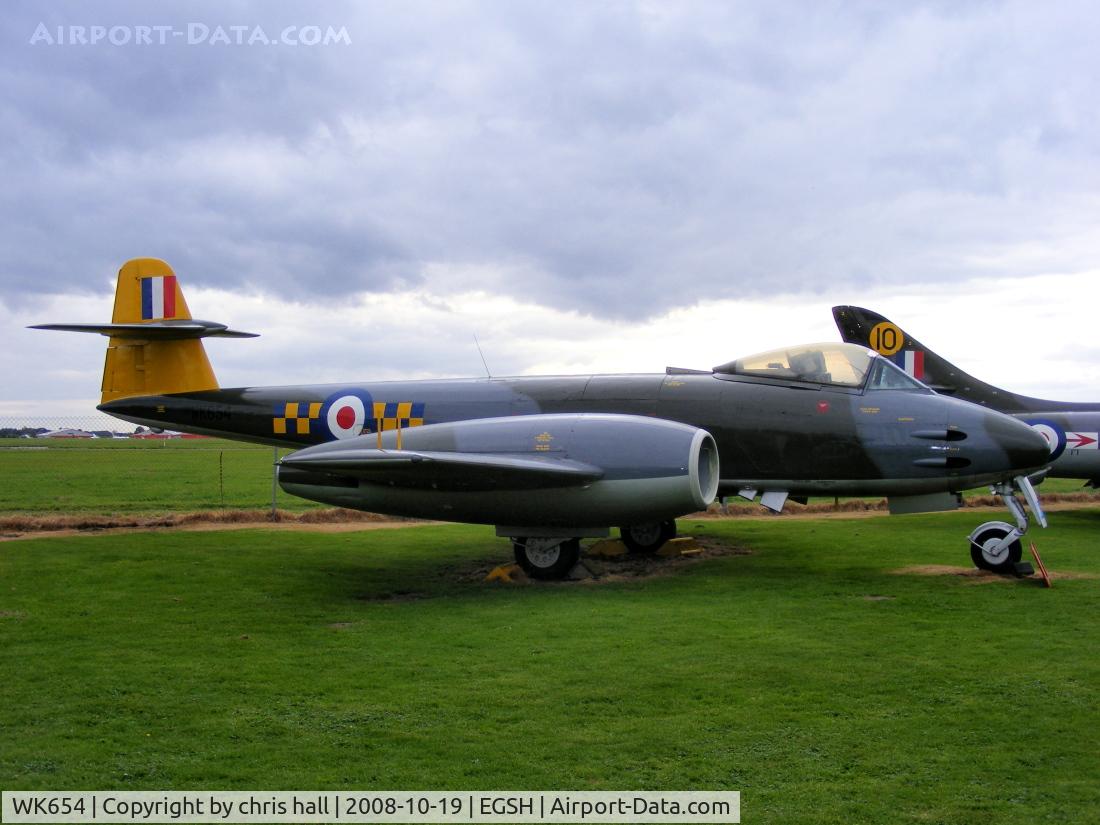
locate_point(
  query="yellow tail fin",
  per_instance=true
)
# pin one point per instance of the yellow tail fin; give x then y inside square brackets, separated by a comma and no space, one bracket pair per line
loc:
[155,345]
[148,291]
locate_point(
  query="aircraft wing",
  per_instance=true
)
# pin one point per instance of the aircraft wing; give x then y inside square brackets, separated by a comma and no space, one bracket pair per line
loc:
[154,330]
[443,471]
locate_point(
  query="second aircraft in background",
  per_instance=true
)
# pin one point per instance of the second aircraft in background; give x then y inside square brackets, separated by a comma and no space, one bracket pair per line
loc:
[1071,428]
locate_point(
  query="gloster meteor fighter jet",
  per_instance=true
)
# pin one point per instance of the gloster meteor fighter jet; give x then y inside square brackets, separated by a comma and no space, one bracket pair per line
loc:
[550,460]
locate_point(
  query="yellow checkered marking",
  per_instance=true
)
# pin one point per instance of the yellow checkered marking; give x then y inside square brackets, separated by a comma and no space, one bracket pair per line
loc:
[297,414]
[396,416]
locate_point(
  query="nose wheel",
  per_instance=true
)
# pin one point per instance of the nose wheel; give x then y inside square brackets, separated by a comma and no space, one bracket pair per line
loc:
[990,551]
[996,545]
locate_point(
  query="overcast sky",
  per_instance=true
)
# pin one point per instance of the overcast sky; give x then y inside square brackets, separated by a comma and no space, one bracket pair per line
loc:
[587,186]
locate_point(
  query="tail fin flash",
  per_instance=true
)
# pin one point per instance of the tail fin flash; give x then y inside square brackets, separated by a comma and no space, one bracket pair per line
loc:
[155,345]
[148,291]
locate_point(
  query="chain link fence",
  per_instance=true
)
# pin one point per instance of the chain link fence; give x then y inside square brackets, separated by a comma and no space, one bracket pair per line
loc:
[32,425]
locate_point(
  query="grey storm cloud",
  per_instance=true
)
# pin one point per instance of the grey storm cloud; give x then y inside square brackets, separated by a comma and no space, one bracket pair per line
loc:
[614,158]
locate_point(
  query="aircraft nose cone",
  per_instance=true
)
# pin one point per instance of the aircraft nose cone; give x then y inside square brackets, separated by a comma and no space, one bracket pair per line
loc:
[1025,448]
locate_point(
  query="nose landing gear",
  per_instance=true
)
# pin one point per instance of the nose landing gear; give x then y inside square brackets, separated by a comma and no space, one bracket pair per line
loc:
[996,545]
[993,547]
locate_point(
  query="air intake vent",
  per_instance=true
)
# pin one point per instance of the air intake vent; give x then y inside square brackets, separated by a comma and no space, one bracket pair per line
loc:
[950,462]
[940,435]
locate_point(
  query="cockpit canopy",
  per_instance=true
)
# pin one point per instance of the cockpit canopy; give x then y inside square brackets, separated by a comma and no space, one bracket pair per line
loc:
[833,364]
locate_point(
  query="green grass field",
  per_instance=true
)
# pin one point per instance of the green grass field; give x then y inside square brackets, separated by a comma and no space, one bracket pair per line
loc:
[806,675]
[136,476]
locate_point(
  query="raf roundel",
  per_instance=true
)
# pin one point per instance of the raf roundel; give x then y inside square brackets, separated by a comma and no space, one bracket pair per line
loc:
[1054,434]
[346,416]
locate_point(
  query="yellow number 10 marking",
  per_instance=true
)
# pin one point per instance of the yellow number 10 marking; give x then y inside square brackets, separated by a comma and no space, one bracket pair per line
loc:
[885,338]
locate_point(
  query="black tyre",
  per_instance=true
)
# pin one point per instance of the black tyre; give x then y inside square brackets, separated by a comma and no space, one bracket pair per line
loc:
[985,559]
[647,538]
[547,558]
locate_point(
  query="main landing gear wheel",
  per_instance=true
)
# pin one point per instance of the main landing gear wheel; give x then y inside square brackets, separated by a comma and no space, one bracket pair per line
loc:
[547,558]
[984,552]
[647,538]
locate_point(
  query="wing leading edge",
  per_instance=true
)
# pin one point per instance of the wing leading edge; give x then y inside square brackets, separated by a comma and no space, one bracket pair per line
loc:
[444,471]
[155,330]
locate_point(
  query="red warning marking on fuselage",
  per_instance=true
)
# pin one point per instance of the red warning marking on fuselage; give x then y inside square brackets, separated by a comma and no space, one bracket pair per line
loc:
[1083,441]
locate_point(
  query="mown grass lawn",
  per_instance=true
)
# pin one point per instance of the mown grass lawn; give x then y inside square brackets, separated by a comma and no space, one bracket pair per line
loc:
[135,476]
[806,674]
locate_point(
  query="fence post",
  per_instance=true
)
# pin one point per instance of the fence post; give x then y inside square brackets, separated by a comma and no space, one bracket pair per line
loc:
[274,478]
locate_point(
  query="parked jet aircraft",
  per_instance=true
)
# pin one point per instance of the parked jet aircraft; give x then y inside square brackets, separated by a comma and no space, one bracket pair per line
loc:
[549,460]
[1072,429]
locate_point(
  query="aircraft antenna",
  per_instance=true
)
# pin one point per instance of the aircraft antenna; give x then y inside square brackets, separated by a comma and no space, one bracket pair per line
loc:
[484,363]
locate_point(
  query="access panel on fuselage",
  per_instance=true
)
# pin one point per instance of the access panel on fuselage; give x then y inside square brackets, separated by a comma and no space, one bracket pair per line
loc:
[624,394]
[692,399]
[790,432]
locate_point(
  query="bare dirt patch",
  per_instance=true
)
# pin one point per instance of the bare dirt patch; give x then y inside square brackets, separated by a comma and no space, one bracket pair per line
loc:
[976,576]
[334,520]
[632,567]
[624,568]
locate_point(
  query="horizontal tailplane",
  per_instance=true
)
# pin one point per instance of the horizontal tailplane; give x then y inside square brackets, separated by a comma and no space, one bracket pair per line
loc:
[155,346]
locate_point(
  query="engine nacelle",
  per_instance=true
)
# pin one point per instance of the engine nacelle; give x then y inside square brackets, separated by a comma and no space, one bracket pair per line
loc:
[569,470]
